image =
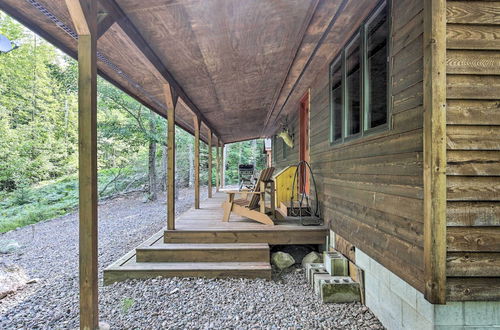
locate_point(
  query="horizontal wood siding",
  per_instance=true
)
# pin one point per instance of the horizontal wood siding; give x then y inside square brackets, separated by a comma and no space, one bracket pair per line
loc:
[473,150]
[371,189]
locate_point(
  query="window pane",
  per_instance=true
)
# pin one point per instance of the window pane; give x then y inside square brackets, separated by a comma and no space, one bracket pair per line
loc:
[336,110]
[377,32]
[353,85]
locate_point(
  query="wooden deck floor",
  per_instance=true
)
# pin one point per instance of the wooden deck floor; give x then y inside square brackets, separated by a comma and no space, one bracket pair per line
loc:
[207,220]
[203,245]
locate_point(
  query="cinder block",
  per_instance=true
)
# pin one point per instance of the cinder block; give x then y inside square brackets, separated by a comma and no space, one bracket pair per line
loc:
[449,314]
[362,259]
[336,264]
[315,272]
[312,266]
[318,277]
[478,313]
[339,290]
[372,285]
[391,304]
[332,239]
[413,320]
[425,308]
[403,290]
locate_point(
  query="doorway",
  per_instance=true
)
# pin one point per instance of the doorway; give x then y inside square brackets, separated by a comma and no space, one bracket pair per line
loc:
[304,142]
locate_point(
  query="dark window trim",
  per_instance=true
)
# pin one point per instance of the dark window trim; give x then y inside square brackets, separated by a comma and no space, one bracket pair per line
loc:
[361,31]
[346,123]
[337,59]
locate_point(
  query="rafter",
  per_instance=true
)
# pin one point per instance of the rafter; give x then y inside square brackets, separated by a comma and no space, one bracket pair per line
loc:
[104,22]
[133,33]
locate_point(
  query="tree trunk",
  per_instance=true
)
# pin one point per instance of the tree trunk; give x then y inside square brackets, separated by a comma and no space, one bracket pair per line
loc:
[152,166]
[255,153]
[163,185]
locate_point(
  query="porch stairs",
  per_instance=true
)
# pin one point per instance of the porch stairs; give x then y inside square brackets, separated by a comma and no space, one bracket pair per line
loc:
[215,259]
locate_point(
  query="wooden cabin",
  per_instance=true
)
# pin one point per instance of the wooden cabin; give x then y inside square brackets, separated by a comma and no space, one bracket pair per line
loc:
[395,104]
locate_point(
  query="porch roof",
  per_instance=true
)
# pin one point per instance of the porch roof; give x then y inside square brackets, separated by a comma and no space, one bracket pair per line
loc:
[240,66]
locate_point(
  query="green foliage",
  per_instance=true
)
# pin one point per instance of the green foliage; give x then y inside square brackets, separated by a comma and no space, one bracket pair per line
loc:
[127,303]
[37,110]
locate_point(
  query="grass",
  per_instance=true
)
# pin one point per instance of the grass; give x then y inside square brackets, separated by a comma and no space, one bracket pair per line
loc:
[51,199]
[127,303]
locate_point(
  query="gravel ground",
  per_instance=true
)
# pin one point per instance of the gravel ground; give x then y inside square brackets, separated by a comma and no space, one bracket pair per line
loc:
[49,253]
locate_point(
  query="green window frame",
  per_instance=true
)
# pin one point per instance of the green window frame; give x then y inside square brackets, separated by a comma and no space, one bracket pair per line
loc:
[356,116]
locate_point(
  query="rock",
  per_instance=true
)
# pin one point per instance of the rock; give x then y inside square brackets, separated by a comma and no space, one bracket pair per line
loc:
[298,252]
[8,246]
[12,278]
[312,258]
[282,260]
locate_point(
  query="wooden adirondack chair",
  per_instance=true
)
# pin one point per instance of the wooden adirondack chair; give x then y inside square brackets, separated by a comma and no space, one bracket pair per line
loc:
[254,208]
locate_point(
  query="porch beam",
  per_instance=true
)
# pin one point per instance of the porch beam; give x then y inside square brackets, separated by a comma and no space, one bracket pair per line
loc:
[196,121]
[104,22]
[133,33]
[171,102]
[84,16]
[435,150]
[217,167]
[209,163]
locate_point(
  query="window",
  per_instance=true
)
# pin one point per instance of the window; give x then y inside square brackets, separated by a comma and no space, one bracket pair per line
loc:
[353,86]
[336,100]
[377,30]
[358,81]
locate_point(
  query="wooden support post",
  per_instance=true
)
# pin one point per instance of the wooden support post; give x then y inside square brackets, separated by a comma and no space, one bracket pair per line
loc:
[222,169]
[435,150]
[209,163]
[84,16]
[196,162]
[171,102]
[217,167]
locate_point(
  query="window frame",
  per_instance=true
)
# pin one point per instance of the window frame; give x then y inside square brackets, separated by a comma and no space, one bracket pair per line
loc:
[361,33]
[346,123]
[366,108]
[337,59]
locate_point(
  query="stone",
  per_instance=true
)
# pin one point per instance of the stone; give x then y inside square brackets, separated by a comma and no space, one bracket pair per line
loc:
[336,264]
[282,260]
[312,258]
[8,246]
[12,278]
[340,289]
[298,252]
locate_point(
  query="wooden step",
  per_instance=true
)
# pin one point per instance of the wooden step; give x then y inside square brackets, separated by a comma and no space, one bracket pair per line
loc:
[162,252]
[272,237]
[132,269]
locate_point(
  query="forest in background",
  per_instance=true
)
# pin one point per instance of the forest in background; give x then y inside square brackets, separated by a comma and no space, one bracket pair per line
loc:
[39,137]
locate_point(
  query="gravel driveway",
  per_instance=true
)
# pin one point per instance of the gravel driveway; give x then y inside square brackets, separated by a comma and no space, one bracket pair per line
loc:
[50,253]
